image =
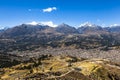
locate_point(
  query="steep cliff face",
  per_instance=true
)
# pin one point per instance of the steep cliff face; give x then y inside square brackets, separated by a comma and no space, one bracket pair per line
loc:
[48,67]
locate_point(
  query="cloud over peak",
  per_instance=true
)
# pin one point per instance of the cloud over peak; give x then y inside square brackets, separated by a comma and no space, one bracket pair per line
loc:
[49,23]
[49,9]
[33,23]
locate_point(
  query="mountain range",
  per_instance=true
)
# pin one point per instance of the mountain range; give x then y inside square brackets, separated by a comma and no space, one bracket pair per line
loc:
[43,52]
[87,36]
[63,28]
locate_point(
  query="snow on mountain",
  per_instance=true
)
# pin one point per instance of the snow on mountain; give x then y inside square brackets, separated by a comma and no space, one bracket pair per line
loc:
[114,25]
[87,24]
[33,23]
[113,28]
[1,27]
[48,23]
[88,27]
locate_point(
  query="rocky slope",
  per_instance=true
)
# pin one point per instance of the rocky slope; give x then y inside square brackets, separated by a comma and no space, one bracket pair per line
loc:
[62,53]
[30,37]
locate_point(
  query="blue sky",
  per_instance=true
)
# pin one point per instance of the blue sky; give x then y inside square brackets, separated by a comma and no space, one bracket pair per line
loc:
[72,12]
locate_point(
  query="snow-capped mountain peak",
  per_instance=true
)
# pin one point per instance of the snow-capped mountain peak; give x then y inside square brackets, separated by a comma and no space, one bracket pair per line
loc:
[87,24]
[48,23]
[1,27]
[33,23]
[114,25]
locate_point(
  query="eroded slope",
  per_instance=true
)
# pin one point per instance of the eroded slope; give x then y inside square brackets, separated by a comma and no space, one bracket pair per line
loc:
[62,67]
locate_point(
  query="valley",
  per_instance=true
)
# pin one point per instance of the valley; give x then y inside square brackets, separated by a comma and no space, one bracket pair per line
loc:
[41,52]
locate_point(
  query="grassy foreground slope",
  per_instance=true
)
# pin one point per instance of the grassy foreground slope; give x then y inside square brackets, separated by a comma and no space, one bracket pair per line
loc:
[62,67]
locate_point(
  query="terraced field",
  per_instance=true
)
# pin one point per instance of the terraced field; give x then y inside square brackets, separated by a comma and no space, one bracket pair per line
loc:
[62,67]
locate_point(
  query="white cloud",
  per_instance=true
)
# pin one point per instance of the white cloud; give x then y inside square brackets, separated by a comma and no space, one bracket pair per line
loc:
[49,23]
[50,9]
[33,23]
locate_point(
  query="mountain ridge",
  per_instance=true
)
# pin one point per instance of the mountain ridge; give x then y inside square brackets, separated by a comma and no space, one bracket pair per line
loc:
[44,52]
[26,37]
